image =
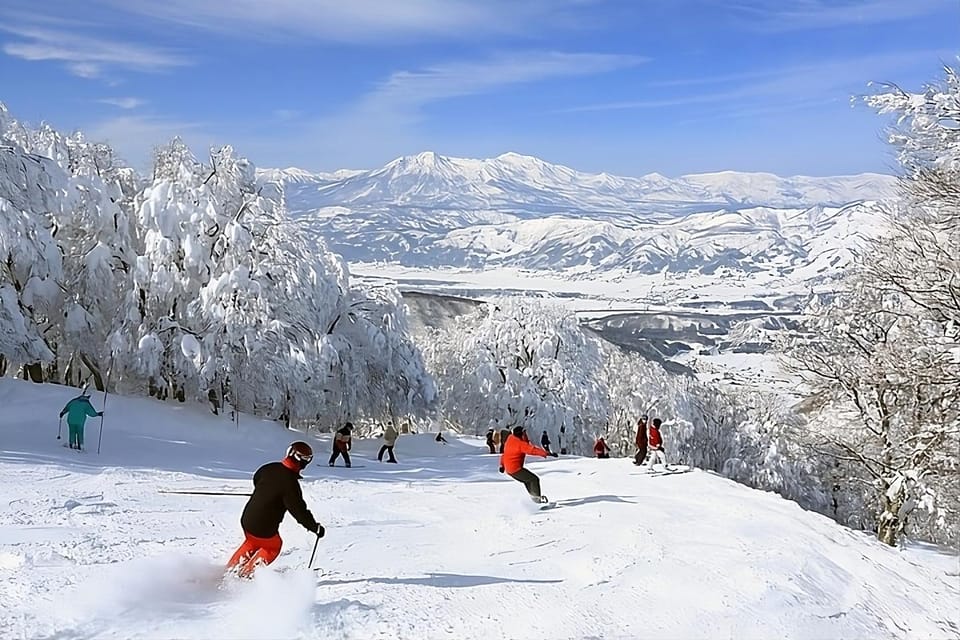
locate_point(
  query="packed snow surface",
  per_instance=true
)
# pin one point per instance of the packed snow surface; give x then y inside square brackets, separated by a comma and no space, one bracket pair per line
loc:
[437,546]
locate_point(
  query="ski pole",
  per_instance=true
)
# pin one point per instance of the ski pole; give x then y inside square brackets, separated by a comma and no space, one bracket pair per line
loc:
[206,493]
[59,427]
[100,437]
[312,555]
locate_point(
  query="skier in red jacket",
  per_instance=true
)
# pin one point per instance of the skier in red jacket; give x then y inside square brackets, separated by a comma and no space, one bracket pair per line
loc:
[515,450]
[656,445]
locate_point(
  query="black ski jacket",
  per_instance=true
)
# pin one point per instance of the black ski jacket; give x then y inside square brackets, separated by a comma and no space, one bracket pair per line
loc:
[276,490]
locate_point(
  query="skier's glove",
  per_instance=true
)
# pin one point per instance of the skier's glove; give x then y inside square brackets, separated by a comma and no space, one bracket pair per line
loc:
[500,469]
[320,531]
[554,454]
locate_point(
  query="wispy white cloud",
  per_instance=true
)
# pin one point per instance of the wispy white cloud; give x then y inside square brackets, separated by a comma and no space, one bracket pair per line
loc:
[411,89]
[779,88]
[123,103]
[86,56]
[353,20]
[800,15]
[387,121]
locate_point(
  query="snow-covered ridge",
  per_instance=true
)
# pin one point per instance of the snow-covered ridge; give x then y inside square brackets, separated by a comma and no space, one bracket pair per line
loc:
[518,211]
[514,181]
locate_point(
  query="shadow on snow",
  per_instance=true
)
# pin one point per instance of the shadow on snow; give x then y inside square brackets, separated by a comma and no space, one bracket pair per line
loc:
[574,502]
[440,580]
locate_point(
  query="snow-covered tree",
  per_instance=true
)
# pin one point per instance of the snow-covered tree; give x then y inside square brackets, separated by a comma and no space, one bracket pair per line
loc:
[228,304]
[882,355]
[95,238]
[519,362]
[30,264]
[864,363]
[192,284]
[383,372]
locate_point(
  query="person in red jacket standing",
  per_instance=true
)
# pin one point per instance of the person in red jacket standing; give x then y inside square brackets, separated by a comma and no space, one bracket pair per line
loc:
[656,444]
[641,441]
[601,449]
[515,450]
[276,490]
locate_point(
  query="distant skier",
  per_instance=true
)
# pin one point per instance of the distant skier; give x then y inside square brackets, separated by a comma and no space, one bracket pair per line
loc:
[342,445]
[511,462]
[389,440]
[545,441]
[440,438]
[490,441]
[641,441]
[601,449]
[504,434]
[276,491]
[77,412]
[656,445]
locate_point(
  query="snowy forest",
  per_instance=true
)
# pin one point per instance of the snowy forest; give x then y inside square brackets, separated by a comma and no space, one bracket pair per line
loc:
[191,283]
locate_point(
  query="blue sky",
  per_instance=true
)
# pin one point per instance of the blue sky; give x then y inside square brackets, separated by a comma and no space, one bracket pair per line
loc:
[623,86]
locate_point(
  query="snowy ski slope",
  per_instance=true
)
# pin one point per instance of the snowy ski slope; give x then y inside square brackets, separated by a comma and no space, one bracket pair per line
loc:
[437,546]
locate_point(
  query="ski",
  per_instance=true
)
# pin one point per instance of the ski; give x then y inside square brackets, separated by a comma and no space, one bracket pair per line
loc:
[205,493]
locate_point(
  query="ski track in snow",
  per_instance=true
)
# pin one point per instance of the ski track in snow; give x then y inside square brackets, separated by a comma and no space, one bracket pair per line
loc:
[438,546]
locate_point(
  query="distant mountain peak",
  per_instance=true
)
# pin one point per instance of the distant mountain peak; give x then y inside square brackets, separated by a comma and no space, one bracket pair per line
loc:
[525,187]
[519,211]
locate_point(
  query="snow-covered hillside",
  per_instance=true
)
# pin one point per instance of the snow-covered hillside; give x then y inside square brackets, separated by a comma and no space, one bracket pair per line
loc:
[437,546]
[718,243]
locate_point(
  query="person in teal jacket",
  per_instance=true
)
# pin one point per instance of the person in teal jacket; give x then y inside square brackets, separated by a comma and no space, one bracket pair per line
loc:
[77,411]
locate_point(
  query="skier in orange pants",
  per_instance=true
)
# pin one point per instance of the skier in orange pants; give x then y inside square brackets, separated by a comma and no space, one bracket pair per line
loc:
[276,490]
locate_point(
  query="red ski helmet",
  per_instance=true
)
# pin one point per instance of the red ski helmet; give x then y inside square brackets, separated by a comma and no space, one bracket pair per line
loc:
[301,453]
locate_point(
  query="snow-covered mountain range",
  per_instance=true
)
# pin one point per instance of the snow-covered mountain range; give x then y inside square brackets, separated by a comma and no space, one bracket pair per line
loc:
[517,211]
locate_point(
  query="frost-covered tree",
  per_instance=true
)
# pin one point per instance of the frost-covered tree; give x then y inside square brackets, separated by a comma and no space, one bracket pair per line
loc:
[30,264]
[384,376]
[519,362]
[193,284]
[864,363]
[881,357]
[95,238]
[228,304]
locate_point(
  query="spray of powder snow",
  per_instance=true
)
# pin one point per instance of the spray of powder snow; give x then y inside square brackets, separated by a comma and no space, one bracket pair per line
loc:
[182,597]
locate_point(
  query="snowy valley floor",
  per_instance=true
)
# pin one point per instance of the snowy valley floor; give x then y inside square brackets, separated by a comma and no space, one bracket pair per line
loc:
[437,546]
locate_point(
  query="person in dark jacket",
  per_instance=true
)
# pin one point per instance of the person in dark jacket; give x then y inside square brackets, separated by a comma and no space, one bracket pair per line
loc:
[545,441]
[77,412]
[342,445]
[504,434]
[276,491]
[490,443]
